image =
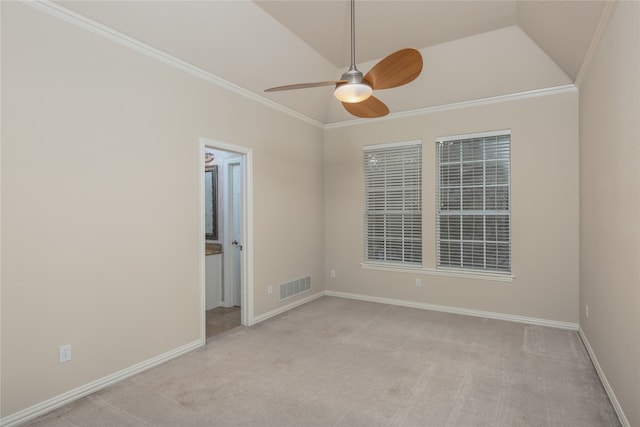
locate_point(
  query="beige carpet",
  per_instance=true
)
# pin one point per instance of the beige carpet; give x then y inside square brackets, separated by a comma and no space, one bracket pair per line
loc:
[339,362]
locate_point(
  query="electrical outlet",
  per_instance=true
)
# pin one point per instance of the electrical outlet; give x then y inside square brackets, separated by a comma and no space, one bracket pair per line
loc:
[65,353]
[418,283]
[333,273]
[586,311]
[269,289]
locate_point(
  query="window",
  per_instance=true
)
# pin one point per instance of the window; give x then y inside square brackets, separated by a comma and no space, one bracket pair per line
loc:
[393,203]
[473,218]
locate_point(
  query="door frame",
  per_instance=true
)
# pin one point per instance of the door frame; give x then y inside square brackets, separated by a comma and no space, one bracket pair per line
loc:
[246,283]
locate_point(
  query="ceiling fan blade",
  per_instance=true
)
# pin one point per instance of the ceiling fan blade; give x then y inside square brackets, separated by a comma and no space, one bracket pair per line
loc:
[368,109]
[397,69]
[305,85]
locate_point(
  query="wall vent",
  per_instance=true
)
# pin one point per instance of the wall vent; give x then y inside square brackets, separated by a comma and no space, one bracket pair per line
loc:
[295,287]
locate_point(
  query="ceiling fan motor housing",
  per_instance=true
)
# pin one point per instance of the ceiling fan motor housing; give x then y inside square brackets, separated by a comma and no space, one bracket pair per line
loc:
[352,76]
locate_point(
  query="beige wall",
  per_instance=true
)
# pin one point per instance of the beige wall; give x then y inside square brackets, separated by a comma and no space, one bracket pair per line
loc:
[100,206]
[544,208]
[100,203]
[610,206]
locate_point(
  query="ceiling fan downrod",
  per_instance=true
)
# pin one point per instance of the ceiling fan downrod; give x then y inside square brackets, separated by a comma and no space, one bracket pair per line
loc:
[353,34]
[355,89]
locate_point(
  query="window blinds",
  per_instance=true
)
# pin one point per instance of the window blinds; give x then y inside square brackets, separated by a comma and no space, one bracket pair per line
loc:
[473,203]
[393,203]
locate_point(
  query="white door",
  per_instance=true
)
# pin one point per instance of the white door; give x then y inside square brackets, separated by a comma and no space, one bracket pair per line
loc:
[235,227]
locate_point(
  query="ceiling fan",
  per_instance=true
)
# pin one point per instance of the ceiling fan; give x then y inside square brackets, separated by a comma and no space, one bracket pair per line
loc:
[355,90]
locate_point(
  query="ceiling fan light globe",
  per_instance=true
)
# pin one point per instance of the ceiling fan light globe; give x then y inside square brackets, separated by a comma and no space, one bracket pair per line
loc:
[353,92]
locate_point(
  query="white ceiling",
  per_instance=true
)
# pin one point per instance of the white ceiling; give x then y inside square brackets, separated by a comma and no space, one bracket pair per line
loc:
[471,49]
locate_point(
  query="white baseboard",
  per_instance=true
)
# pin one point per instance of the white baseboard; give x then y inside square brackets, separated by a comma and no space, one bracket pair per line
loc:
[612,396]
[68,397]
[287,307]
[456,310]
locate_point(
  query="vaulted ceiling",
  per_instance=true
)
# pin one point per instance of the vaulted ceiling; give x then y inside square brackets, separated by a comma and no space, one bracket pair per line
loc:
[471,49]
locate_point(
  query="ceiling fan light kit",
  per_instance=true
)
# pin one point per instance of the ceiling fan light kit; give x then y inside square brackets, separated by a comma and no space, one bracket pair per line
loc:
[355,91]
[352,93]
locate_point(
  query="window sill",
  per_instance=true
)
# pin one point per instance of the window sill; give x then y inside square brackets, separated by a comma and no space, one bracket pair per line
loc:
[445,272]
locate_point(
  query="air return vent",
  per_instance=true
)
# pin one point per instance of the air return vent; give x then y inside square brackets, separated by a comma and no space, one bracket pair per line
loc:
[295,287]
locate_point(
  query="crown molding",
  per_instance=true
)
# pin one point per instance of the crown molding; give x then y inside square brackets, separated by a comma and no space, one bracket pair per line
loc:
[535,93]
[94,27]
[603,24]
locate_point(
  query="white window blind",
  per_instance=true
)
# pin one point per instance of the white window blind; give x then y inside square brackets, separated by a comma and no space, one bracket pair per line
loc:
[473,217]
[393,203]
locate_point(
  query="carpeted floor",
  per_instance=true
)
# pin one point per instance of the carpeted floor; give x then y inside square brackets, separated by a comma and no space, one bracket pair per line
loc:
[339,362]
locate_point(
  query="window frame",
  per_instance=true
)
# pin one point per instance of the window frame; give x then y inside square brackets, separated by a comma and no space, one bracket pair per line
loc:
[417,193]
[475,213]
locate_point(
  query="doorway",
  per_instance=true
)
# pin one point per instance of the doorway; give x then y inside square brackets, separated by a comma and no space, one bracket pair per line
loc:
[226,279]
